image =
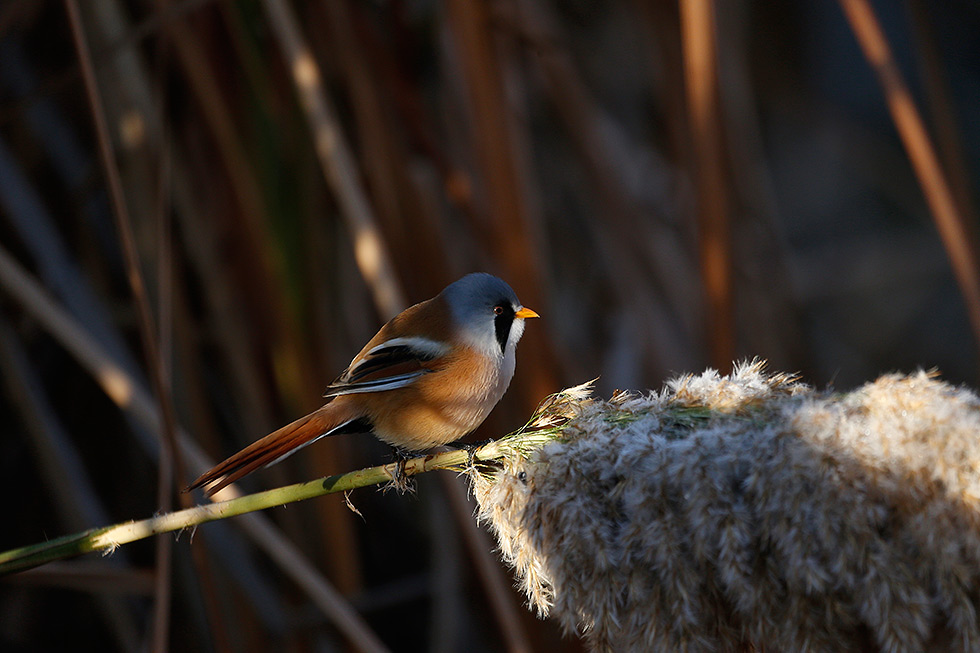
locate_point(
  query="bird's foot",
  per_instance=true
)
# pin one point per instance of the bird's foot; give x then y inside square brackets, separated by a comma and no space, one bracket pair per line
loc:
[400,481]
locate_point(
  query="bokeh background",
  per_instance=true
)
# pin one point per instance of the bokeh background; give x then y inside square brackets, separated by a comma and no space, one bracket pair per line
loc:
[670,188]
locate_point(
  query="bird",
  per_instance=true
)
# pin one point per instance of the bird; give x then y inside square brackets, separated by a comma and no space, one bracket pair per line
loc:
[431,375]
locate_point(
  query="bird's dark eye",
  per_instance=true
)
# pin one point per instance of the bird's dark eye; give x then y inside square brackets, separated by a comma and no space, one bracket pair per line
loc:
[498,310]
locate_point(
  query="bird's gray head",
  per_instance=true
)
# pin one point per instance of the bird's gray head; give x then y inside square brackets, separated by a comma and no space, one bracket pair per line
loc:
[487,312]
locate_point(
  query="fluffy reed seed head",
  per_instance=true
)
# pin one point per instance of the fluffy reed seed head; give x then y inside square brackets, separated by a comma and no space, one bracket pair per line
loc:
[749,512]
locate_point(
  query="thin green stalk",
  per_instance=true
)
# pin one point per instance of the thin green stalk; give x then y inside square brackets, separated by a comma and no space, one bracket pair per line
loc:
[108,538]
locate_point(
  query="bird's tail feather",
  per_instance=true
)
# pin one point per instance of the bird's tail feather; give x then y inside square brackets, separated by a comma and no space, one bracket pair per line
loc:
[272,448]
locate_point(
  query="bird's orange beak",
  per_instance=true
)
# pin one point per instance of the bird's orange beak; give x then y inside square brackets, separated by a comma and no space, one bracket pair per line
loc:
[525,313]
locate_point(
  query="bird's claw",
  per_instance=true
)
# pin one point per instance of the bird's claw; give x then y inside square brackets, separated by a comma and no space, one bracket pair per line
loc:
[401,481]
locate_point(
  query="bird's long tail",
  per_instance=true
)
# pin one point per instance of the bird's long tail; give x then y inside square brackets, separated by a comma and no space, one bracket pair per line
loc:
[326,420]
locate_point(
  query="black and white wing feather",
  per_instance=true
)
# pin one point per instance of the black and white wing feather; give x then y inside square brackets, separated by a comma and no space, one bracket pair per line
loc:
[392,364]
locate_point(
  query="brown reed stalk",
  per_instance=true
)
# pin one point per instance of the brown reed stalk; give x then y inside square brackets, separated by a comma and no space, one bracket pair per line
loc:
[505,218]
[84,576]
[492,142]
[336,160]
[918,145]
[699,49]
[490,572]
[166,273]
[218,115]
[699,43]
[202,240]
[338,555]
[945,126]
[340,171]
[766,302]
[416,246]
[250,233]
[638,252]
[170,465]
[388,54]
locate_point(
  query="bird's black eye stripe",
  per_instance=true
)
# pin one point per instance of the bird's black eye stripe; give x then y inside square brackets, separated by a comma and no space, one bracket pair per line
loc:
[502,321]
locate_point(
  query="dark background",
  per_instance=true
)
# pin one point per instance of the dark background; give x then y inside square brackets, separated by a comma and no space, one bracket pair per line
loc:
[550,143]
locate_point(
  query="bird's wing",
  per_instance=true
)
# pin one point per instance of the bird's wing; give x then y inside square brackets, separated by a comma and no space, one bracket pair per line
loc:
[391,364]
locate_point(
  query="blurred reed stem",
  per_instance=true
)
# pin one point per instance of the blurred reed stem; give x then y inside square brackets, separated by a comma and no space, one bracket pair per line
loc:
[950,223]
[170,465]
[336,160]
[699,43]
